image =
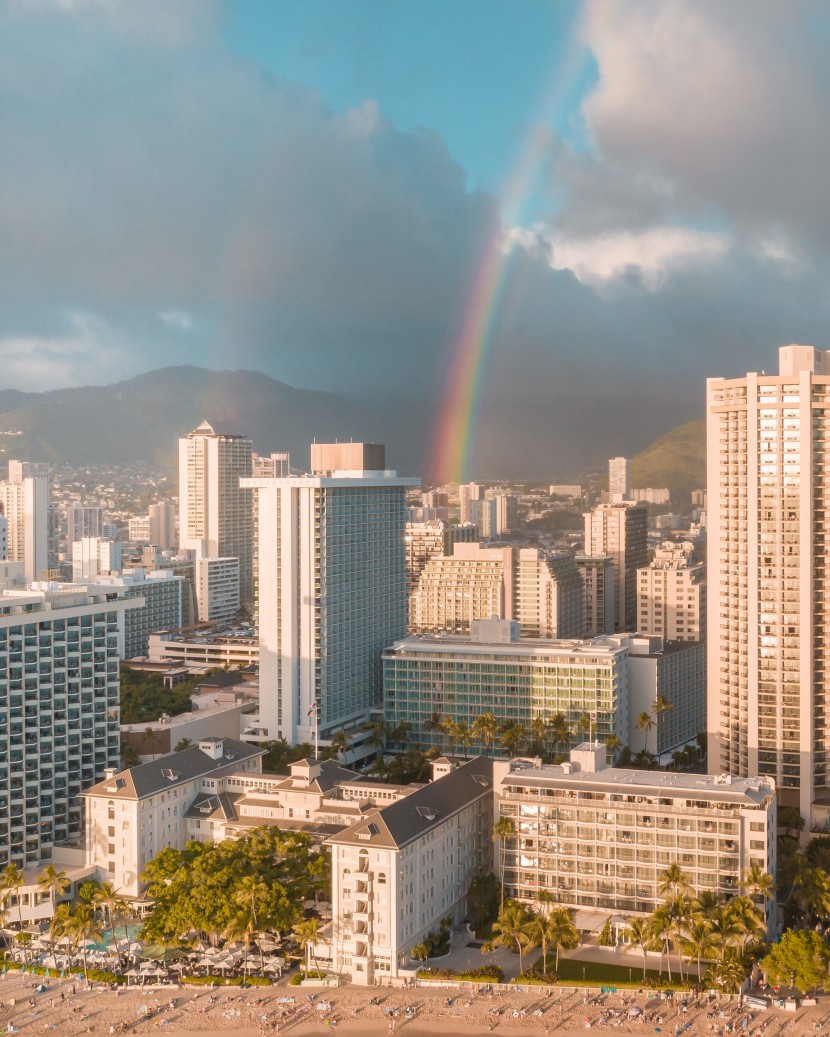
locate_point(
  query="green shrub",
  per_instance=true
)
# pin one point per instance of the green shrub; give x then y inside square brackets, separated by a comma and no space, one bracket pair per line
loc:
[220,981]
[295,981]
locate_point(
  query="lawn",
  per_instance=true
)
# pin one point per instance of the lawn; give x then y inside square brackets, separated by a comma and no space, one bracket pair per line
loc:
[600,974]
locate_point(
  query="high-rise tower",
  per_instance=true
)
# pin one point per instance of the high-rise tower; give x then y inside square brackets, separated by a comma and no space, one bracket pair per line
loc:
[619,479]
[768,444]
[215,513]
[24,500]
[332,589]
[621,532]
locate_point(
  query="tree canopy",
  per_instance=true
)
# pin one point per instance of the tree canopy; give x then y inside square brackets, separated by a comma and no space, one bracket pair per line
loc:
[800,959]
[202,886]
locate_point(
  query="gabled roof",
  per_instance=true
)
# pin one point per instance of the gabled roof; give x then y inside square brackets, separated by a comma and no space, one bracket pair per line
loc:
[212,806]
[428,807]
[174,769]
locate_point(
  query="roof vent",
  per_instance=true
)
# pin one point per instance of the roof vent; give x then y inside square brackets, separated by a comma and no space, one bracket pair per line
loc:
[427,812]
[480,779]
[171,775]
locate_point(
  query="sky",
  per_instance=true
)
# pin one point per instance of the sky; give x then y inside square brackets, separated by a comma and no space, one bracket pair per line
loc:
[531,229]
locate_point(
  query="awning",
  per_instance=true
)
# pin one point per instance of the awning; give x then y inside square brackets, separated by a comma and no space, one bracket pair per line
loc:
[589,919]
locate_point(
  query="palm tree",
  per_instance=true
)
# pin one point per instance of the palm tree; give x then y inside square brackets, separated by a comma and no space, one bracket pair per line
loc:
[307,933]
[679,908]
[811,889]
[559,730]
[510,929]
[463,736]
[612,744]
[661,705]
[242,927]
[645,722]
[53,882]
[723,928]
[182,744]
[340,744]
[749,921]
[13,880]
[58,928]
[450,728]
[562,932]
[109,900]
[661,931]
[757,882]
[512,738]
[148,740]
[484,729]
[377,731]
[503,829]
[639,936]
[538,730]
[673,881]
[700,941]
[81,925]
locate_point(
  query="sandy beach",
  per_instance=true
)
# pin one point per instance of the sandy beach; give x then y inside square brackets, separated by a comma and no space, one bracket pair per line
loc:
[66,1008]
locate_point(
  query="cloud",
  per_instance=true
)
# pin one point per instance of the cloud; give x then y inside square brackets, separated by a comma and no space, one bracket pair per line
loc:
[164,201]
[87,353]
[727,102]
[649,254]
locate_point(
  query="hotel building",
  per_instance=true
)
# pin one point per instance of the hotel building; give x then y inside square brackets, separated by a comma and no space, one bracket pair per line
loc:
[597,838]
[769,562]
[332,589]
[621,531]
[671,594]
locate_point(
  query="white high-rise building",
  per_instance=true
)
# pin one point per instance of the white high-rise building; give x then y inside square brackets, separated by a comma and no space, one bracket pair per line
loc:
[158,606]
[215,512]
[769,563]
[161,518]
[276,466]
[59,712]
[92,556]
[83,521]
[468,492]
[24,500]
[332,589]
[619,479]
[620,531]
[217,589]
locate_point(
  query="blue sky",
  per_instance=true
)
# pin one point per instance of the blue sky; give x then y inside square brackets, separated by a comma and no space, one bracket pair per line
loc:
[479,72]
[307,189]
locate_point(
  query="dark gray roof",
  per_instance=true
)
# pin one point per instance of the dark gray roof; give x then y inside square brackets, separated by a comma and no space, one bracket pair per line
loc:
[213,806]
[223,679]
[174,769]
[410,817]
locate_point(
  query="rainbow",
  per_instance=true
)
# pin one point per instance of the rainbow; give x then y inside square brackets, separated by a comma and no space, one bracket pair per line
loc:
[460,402]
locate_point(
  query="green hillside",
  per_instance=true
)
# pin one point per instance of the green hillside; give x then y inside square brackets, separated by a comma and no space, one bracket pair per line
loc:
[676,460]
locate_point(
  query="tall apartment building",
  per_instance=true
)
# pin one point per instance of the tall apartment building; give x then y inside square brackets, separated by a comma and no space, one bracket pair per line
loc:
[484,514]
[215,511]
[139,529]
[82,521]
[275,466]
[621,531]
[671,594]
[4,538]
[92,556]
[614,678]
[217,589]
[768,501]
[158,605]
[24,500]
[541,590]
[619,479]
[432,539]
[162,524]
[598,588]
[59,712]
[332,589]
[652,495]
[598,838]
[468,492]
[506,509]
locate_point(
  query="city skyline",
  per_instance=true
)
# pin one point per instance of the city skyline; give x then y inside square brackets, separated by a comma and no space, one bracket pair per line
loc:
[354,198]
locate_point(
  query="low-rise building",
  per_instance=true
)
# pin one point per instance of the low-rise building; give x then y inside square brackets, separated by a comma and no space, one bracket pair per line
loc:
[598,838]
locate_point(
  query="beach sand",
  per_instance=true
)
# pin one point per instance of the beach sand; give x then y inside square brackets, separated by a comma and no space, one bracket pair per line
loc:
[375,1012]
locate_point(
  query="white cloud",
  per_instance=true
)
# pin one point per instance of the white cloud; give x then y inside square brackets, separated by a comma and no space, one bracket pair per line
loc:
[89,353]
[178,319]
[652,254]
